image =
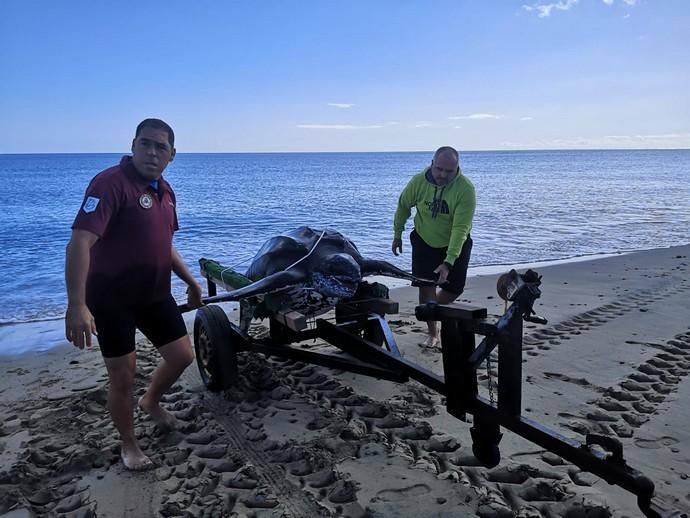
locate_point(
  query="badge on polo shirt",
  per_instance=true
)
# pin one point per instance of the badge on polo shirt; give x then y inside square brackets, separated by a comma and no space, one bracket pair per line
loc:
[90,204]
[145,201]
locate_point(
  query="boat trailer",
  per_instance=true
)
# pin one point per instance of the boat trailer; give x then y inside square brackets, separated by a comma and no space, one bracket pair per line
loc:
[361,331]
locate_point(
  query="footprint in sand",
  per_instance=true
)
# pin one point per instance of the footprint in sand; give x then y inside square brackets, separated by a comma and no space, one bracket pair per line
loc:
[259,501]
[518,474]
[393,495]
[550,491]
[343,491]
[215,451]
[611,405]
[321,479]
[655,444]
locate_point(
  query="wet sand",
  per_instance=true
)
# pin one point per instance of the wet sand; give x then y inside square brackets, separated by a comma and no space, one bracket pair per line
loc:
[298,440]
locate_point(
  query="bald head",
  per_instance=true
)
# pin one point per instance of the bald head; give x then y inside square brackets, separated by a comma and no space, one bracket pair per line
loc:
[445,165]
[447,150]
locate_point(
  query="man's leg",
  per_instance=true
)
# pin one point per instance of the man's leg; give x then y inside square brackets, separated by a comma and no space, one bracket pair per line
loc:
[121,373]
[177,356]
[446,297]
[428,294]
[456,282]
[424,260]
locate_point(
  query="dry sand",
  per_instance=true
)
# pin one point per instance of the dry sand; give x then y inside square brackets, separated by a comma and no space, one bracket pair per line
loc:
[299,440]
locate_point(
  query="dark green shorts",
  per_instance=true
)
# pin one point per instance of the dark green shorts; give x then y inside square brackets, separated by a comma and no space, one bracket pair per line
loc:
[425,259]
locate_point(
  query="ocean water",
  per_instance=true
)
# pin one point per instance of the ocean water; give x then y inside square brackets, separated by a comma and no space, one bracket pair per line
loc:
[531,206]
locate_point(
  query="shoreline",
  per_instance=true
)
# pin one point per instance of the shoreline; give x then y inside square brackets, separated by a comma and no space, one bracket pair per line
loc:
[303,440]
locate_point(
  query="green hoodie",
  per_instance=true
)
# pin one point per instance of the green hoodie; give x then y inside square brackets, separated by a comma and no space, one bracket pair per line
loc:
[451,221]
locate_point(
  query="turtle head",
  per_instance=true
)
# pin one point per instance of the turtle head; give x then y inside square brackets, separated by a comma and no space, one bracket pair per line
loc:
[338,275]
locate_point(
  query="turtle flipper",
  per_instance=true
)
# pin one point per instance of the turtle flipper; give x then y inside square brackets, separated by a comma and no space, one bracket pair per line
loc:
[376,267]
[275,282]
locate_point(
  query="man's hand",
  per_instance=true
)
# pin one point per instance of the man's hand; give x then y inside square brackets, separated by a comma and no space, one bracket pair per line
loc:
[79,326]
[442,270]
[194,295]
[396,246]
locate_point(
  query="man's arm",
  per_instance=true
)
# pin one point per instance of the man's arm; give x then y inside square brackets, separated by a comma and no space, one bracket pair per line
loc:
[79,322]
[194,292]
[402,214]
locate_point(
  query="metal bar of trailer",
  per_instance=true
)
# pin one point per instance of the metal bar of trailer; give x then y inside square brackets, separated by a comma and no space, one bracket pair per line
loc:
[369,351]
[328,360]
[373,322]
[387,334]
[207,300]
[211,285]
[510,367]
[456,369]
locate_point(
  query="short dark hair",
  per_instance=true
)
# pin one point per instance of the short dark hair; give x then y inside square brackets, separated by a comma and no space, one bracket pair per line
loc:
[157,124]
[448,149]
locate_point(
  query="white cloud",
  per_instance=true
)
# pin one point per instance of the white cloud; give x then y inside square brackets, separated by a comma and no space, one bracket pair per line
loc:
[341,105]
[526,118]
[338,126]
[544,10]
[422,124]
[626,2]
[458,127]
[393,123]
[475,116]
[626,16]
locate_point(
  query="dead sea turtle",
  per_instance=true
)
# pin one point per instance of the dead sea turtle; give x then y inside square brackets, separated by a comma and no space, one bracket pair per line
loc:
[315,267]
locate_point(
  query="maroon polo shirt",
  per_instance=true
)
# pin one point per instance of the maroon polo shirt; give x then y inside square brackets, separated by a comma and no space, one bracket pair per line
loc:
[132,260]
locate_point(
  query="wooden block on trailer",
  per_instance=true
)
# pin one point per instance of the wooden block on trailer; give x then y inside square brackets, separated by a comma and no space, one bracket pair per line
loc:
[291,319]
[455,310]
[461,311]
[374,305]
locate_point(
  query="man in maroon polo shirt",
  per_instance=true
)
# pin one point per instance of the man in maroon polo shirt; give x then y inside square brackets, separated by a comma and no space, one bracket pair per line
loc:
[117,270]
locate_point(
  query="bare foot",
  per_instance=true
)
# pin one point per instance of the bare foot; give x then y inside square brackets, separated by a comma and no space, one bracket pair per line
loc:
[431,341]
[161,417]
[135,460]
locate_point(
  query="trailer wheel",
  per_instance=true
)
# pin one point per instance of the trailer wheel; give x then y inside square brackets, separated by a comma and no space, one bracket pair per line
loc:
[216,356]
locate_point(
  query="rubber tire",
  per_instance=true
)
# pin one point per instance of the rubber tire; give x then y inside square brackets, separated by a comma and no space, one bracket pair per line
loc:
[216,355]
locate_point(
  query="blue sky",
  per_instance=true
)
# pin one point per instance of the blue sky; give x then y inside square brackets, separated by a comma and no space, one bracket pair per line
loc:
[249,76]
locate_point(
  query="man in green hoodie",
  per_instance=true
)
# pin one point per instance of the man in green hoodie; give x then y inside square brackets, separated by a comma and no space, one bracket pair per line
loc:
[441,242]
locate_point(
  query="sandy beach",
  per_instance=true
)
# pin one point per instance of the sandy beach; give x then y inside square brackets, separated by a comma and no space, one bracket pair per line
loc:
[296,440]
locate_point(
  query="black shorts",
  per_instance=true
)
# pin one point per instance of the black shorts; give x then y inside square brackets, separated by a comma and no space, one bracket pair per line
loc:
[161,322]
[425,259]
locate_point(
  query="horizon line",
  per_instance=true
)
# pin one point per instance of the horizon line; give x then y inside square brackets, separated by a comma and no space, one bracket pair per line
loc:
[461,151]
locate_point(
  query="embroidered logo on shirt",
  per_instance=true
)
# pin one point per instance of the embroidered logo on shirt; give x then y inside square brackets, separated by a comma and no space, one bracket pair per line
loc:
[90,204]
[145,201]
